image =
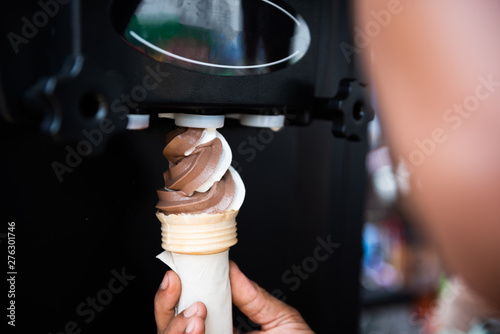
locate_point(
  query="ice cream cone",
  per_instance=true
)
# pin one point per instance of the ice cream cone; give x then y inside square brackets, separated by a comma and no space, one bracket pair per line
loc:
[198,234]
[196,247]
[197,209]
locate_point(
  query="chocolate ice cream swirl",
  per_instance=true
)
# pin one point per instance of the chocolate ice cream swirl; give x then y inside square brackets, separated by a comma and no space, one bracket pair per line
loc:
[190,166]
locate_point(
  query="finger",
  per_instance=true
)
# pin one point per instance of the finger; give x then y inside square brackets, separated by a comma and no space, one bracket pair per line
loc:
[256,303]
[166,298]
[191,320]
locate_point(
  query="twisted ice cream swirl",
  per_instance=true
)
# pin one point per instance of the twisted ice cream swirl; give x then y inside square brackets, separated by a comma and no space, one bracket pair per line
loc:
[200,178]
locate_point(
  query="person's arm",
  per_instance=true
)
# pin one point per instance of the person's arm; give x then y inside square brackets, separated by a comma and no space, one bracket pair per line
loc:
[274,316]
[435,66]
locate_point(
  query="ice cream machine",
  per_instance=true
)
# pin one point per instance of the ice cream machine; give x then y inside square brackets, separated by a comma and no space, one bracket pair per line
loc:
[95,84]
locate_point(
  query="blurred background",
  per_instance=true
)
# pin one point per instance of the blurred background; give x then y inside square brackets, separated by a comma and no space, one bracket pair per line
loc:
[403,281]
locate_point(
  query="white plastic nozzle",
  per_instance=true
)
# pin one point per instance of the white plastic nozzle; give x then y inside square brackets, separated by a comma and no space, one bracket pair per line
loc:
[195,121]
[263,121]
[137,122]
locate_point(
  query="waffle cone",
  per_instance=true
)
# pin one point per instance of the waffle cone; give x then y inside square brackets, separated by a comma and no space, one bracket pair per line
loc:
[198,234]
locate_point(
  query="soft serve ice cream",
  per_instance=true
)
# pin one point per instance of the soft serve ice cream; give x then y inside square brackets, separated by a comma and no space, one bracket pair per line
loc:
[197,209]
[200,178]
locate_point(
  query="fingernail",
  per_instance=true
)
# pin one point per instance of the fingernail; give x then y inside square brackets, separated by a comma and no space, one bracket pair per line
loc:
[191,310]
[164,282]
[190,326]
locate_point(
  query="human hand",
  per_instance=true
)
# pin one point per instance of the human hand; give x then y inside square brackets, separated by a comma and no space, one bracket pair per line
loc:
[274,316]
[191,320]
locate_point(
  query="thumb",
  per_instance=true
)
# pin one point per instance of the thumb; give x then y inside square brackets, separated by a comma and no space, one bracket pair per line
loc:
[257,304]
